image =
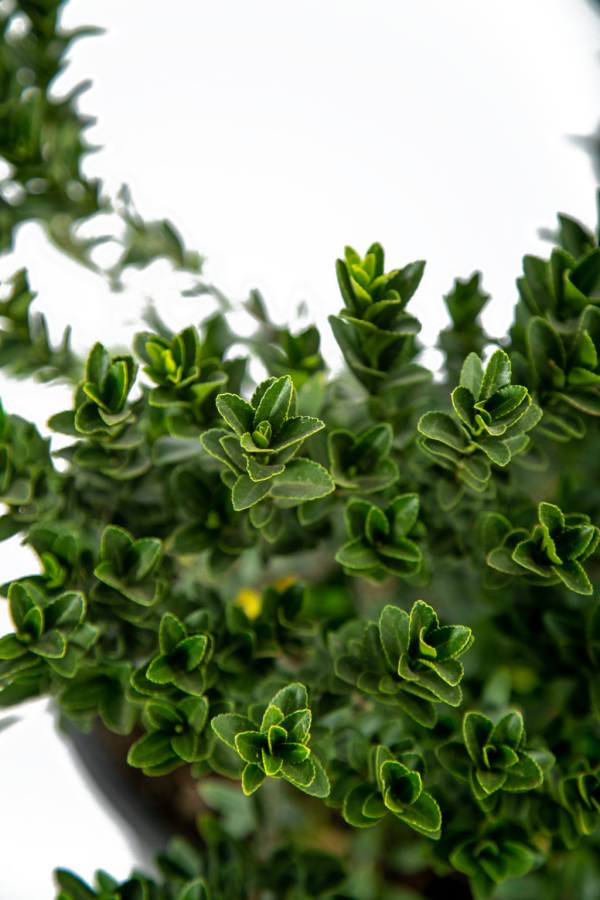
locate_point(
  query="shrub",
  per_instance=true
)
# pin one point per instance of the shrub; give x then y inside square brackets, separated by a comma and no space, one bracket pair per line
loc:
[263,584]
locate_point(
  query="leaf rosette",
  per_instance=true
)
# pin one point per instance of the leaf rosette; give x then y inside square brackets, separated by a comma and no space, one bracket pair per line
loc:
[127,582]
[174,737]
[381,540]
[259,454]
[494,417]
[278,748]
[494,758]
[493,859]
[47,629]
[362,463]
[184,377]
[102,399]
[408,660]
[373,329]
[396,789]
[554,551]
[183,657]
[579,792]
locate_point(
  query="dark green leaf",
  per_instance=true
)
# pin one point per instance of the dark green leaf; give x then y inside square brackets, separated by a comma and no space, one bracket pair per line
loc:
[302,480]
[275,404]
[229,725]
[237,412]
[441,427]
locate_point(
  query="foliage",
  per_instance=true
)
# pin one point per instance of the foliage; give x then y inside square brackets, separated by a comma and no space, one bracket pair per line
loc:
[262,583]
[42,139]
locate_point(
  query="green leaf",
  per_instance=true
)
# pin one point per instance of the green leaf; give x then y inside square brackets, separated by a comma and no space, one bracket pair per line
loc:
[252,778]
[172,632]
[162,715]
[318,785]
[160,670]
[195,710]
[547,351]
[439,426]
[525,775]
[150,750]
[450,670]
[455,758]
[377,526]
[272,716]
[249,745]
[495,448]
[228,725]
[258,472]
[403,513]
[20,602]
[551,517]
[357,555]
[477,729]
[577,239]
[439,687]
[345,284]
[509,731]
[297,725]
[294,430]
[146,593]
[247,492]
[496,376]
[586,274]
[573,575]
[197,889]
[471,375]
[142,558]
[394,631]
[66,611]
[64,423]
[585,401]
[11,647]
[301,775]
[291,752]
[490,781]
[211,441]
[237,412]
[260,391]
[421,710]
[422,620]
[450,641]
[231,444]
[354,803]
[539,278]
[51,644]
[116,543]
[407,280]
[424,814]
[75,888]
[302,480]
[291,699]
[275,404]
[185,745]
[65,665]
[464,405]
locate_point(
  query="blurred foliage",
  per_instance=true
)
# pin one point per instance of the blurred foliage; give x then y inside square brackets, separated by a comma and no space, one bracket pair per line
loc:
[43,144]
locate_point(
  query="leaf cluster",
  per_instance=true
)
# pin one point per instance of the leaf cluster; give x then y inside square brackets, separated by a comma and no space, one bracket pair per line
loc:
[262,582]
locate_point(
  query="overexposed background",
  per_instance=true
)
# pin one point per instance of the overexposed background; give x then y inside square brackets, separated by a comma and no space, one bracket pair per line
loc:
[272,134]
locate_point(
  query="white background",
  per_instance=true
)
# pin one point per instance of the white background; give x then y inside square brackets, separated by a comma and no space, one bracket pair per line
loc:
[273,134]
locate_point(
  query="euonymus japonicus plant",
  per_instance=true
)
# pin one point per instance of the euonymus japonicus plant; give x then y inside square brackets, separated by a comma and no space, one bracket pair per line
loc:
[355,614]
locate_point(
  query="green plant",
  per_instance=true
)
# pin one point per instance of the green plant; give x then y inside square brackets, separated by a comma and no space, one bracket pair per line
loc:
[260,584]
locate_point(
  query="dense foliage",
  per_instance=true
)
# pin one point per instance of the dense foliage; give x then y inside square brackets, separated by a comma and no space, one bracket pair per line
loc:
[264,583]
